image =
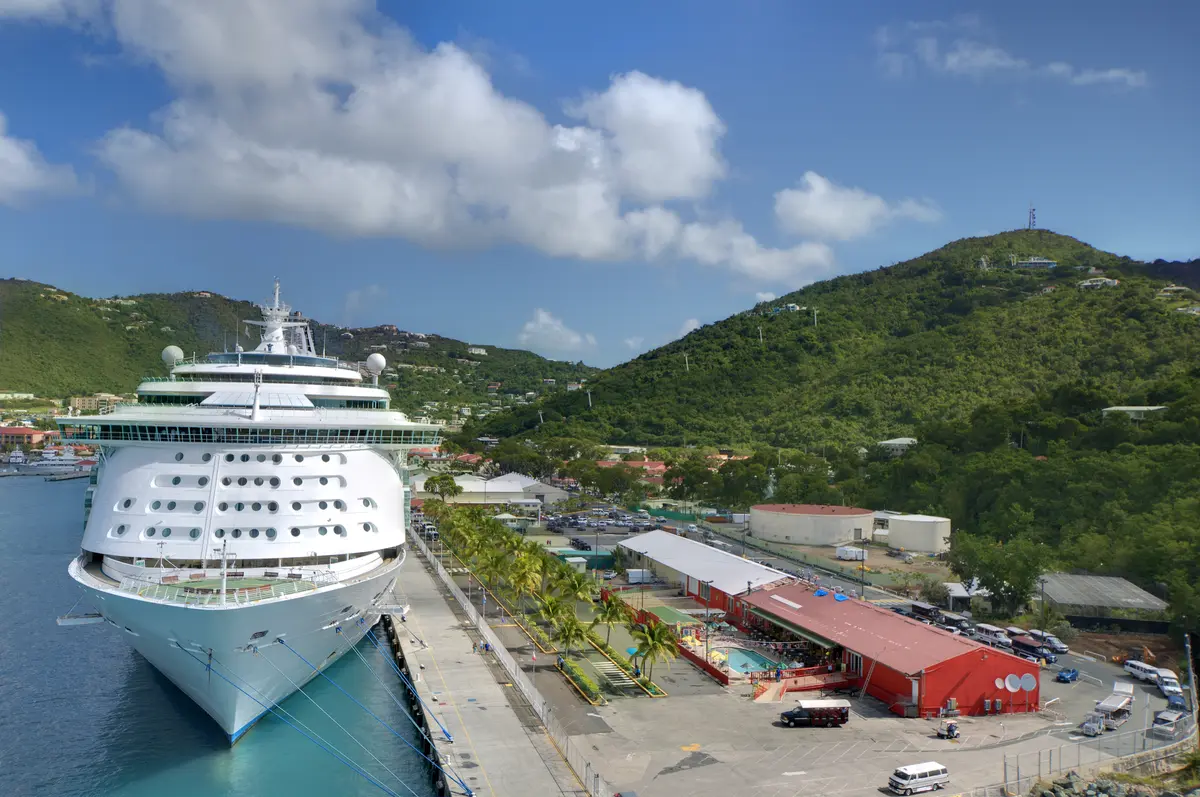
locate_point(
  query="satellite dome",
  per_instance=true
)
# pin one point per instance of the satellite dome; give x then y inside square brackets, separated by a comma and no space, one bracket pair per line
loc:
[291,349]
[376,363]
[171,355]
[239,348]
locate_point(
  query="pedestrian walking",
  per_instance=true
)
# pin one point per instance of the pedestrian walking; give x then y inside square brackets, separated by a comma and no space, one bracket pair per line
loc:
[474,647]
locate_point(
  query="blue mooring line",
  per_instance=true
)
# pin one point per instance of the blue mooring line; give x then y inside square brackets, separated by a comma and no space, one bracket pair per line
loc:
[355,767]
[378,719]
[396,668]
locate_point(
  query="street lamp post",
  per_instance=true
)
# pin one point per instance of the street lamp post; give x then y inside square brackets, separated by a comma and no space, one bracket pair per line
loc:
[707,616]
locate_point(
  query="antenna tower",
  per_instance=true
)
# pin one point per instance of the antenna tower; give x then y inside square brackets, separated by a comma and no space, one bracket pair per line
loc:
[1032,217]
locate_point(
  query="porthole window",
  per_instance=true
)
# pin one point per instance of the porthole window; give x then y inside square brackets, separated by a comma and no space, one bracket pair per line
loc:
[368,527]
[324,457]
[324,481]
[206,457]
[198,506]
[239,506]
[179,457]
[223,506]
[128,502]
[121,529]
[323,505]
[150,531]
[194,534]
[273,507]
[219,533]
[166,532]
[258,482]
[340,530]
[245,457]
[299,457]
[254,533]
[226,481]
[176,480]
[242,482]
[277,459]
[297,481]
[262,457]
[367,502]
[339,504]
[295,532]
[236,533]
[171,505]
[256,506]
[270,534]
[229,457]
[156,505]
[296,505]
[203,481]
[322,531]
[274,481]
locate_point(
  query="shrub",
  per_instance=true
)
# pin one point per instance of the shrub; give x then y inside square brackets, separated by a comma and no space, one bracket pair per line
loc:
[585,684]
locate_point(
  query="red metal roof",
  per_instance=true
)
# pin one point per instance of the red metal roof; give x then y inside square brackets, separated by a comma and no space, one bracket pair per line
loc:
[813,509]
[899,642]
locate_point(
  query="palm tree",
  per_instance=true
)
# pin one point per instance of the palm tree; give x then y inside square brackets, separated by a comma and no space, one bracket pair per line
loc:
[655,641]
[569,633]
[554,610]
[573,586]
[523,576]
[612,611]
[493,564]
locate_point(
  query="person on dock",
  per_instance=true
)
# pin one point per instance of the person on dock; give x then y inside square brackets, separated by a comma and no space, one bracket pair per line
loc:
[474,647]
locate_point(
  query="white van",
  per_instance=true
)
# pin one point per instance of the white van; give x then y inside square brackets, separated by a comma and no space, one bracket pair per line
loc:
[1168,683]
[919,777]
[1141,671]
[992,635]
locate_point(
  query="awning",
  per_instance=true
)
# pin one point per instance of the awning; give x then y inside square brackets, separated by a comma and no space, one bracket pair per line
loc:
[795,629]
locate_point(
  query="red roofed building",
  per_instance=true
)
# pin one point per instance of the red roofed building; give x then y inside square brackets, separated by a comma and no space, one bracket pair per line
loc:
[22,436]
[916,669]
[649,467]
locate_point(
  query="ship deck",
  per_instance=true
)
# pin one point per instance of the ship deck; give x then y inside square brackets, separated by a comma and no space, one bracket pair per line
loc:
[203,590]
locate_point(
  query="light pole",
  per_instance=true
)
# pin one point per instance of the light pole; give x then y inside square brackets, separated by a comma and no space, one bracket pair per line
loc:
[707,616]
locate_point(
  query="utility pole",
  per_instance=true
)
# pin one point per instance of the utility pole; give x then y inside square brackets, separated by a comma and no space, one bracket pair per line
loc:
[686,365]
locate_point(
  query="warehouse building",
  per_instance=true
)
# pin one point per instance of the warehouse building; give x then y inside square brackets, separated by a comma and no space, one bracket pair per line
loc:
[918,670]
[701,571]
[915,533]
[811,524]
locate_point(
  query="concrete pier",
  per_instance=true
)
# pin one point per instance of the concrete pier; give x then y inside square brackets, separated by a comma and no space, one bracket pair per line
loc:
[495,751]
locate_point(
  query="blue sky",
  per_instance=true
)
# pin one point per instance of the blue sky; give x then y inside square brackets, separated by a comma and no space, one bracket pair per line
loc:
[588,183]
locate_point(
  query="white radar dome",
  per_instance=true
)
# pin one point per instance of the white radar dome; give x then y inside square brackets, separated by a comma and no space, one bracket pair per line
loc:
[376,363]
[172,355]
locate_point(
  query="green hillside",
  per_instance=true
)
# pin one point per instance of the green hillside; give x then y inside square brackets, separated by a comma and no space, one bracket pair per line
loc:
[929,339]
[55,343]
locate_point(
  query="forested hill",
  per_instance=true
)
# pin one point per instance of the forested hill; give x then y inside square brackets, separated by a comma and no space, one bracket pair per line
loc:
[929,339]
[55,343]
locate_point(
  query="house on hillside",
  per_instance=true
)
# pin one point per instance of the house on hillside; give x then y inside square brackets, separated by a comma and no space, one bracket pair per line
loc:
[477,350]
[1098,282]
[1172,291]
[1033,262]
[897,446]
[1136,413]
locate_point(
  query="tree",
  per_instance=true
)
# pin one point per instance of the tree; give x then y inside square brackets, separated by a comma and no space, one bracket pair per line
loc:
[569,632]
[553,610]
[574,587]
[656,641]
[612,611]
[443,486]
[1009,571]
[934,592]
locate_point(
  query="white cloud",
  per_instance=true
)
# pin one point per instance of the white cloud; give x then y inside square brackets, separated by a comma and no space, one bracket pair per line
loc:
[901,48]
[547,332]
[822,209]
[691,325]
[634,342]
[764,296]
[325,114]
[25,173]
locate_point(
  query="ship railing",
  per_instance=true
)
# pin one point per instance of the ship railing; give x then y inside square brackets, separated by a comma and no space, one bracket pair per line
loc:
[178,587]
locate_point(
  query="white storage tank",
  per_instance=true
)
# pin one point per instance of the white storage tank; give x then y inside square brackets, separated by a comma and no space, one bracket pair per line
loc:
[811,524]
[919,533]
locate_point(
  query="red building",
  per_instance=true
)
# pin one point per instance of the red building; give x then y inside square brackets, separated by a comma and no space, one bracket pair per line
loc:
[23,436]
[916,669]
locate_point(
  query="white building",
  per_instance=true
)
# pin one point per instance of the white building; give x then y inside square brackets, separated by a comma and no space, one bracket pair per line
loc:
[1098,282]
[897,446]
[1134,412]
[477,350]
[811,524]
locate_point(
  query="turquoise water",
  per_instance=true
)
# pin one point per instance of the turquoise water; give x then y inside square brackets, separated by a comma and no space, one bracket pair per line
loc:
[744,660]
[82,714]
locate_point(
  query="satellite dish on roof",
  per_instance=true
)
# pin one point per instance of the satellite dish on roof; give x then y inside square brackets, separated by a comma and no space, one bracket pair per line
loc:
[376,363]
[171,355]
[1028,682]
[999,683]
[1012,682]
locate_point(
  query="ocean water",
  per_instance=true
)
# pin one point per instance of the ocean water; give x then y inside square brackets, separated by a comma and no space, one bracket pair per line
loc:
[81,713]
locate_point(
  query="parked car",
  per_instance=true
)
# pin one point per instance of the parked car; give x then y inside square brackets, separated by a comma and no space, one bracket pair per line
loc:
[817,713]
[1067,675]
[1050,641]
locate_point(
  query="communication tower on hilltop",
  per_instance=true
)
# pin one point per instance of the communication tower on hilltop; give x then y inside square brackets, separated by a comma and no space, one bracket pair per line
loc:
[1032,217]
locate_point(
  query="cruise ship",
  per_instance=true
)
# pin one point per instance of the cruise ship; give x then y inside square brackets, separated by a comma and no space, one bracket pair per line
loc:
[247,516]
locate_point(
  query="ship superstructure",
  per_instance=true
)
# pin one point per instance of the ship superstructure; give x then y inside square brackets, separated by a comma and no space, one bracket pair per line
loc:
[247,514]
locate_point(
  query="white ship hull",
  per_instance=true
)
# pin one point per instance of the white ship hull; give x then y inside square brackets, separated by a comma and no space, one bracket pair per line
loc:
[177,640]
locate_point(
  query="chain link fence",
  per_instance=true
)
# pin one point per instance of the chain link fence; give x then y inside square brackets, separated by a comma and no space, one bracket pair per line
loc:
[585,773]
